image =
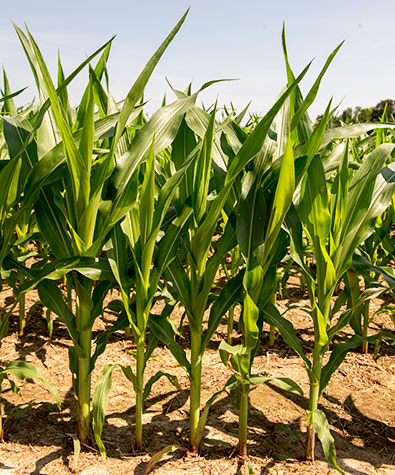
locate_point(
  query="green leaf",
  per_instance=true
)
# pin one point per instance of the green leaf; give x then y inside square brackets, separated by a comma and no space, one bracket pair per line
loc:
[285,383]
[250,327]
[163,125]
[121,323]
[20,409]
[248,468]
[163,331]
[16,132]
[321,427]
[230,383]
[363,225]
[77,166]
[177,282]
[287,331]
[31,57]
[295,101]
[138,87]
[230,294]
[370,192]
[89,267]
[282,200]
[201,172]
[153,379]
[288,384]
[311,147]
[313,205]
[297,251]
[350,131]
[158,455]
[337,356]
[63,95]
[118,258]
[339,195]
[51,219]
[128,372]
[9,180]
[52,298]
[251,216]
[77,450]
[198,120]
[255,140]
[362,266]
[215,442]
[99,403]
[311,95]
[51,162]
[147,200]
[10,96]
[98,71]
[24,370]
[231,349]
[169,243]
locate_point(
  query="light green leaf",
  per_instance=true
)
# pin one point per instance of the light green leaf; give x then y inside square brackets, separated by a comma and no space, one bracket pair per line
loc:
[321,426]
[287,331]
[282,200]
[148,386]
[99,403]
[158,455]
[24,370]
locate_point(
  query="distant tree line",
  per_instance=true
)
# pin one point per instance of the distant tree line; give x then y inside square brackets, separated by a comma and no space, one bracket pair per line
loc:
[368,114]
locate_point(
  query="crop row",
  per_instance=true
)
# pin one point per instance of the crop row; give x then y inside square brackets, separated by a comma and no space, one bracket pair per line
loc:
[102,197]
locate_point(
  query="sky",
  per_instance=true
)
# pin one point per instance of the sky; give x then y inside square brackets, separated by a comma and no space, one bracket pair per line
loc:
[220,39]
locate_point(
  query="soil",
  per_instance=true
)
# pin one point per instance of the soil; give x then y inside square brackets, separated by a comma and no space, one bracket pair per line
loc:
[359,403]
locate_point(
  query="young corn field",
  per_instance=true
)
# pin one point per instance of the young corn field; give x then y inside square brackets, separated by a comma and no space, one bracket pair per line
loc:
[190,285]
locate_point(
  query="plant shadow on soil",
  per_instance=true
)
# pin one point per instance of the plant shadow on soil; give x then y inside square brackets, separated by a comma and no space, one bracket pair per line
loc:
[167,412]
[264,438]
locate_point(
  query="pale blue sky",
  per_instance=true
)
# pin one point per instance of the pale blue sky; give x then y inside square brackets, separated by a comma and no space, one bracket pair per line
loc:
[219,39]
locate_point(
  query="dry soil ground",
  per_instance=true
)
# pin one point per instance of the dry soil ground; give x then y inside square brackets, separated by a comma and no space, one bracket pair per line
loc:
[359,403]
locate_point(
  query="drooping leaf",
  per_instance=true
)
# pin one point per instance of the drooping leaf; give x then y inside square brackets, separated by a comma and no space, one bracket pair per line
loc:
[158,455]
[52,298]
[148,385]
[321,427]
[164,332]
[24,370]
[99,403]
[287,331]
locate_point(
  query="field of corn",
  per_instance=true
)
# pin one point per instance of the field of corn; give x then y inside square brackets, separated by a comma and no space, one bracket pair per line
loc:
[197,291]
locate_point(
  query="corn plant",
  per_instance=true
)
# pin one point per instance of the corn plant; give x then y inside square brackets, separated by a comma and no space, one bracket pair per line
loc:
[267,194]
[73,211]
[11,181]
[370,275]
[371,263]
[335,221]
[191,284]
[256,224]
[135,241]
[140,232]
[12,217]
